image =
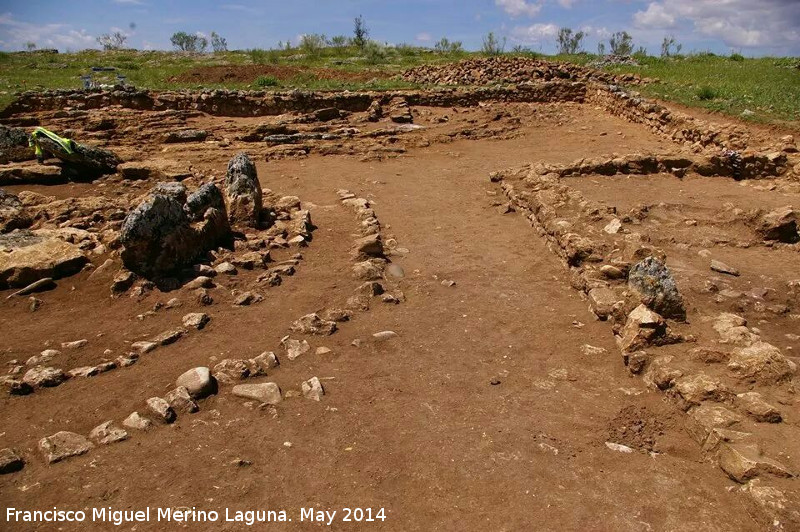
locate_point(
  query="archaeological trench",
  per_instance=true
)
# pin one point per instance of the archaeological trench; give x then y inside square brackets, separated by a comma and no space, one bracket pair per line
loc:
[527,298]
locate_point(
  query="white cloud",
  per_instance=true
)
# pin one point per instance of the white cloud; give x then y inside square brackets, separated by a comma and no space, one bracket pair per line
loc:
[567,3]
[534,34]
[656,16]
[424,37]
[737,23]
[516,8]
[16,33]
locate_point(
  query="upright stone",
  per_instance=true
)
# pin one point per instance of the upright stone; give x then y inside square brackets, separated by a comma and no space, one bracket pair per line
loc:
[654,283]
[243,191]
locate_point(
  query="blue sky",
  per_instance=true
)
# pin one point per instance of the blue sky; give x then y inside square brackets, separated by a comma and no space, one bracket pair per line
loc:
[752,27]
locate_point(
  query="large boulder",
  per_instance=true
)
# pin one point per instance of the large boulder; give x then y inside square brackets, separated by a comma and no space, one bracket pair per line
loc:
[159,238]
[14,145]
[27,256]
[87,160]
[656,287]
[243,191]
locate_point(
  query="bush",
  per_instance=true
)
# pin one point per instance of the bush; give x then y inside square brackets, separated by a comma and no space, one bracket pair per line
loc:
[706,93]
[568,42]
[339,41]
[266,81]
[737,57]
[445,46]
[312,44]
[262,57]
[188,43]
[218,43]
[374,53]
[112,41]
[670,47]
[621,43]
[492,45]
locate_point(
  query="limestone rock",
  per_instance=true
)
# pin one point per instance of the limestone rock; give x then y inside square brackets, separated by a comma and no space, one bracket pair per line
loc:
[367,271]
[761,363]
[642,329]
[135,421]
[62,445]
[721,267]
[312,389]
[185,135]
[180,401]
[44,377]
[267,392]
[295,348]
[695,389]
[14,386]
[27,256]
[14,145]
[654,283]
[86,160]
[369,246]
[196,320]
[10,461]
[156,169]
[742,462]
[231,370]
[161,409]
[107,433]
[384,336]
[313,324]
[760,410]
[198,382]
[207,196]
[732,330]
[243,191]
[602,301]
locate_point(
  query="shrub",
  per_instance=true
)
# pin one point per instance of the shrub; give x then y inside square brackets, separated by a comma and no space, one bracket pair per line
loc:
[568,42]
[374,53]
[266,81]
[706,93]
[492,45]
[312,43]
[262,57]
[112,41]
[339,41]
[218,44]
[189,43]
[621,43]
[445,46]
[670,47]
[737,57]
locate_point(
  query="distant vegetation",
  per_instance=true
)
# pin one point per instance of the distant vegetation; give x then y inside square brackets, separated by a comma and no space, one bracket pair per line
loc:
[768,88]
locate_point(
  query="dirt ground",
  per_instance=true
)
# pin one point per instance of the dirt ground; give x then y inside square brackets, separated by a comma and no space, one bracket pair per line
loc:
[486,411]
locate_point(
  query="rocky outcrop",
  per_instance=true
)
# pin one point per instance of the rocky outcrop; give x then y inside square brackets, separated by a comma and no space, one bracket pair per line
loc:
[27,256]
[159,238]
[243,191]
[90,161]
[12,213]
[14,145]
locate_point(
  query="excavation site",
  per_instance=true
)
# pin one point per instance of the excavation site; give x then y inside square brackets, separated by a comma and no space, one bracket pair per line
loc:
[546,303]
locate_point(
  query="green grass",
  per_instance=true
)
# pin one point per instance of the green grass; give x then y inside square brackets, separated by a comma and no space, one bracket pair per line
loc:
[768,87]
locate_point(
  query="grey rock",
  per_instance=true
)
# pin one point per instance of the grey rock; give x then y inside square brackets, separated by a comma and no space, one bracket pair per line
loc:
[231,370]
[721,267]
[44,377]
[267,392]
[779,225]
[759,409]
[198,382]
[180,401]
[172,189]
[384,336]
[14,386]
[106,433]
[196,320]
[654,283]
[62,445]
[135,421]
[243,191]
[185,135]
[86,160]
[14,145]
[313,324]
[208,196]
[312,389]
[161,409]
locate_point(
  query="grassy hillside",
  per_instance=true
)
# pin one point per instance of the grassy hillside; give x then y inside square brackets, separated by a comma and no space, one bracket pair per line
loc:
[765,89]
